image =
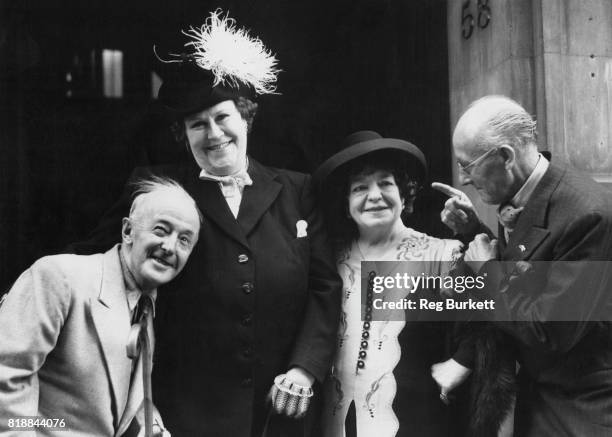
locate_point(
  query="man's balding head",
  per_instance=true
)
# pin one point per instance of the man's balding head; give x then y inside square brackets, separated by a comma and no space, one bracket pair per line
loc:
[495,120]
[156,187]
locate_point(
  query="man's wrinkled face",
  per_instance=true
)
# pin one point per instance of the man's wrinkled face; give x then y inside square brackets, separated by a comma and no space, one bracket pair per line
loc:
[159,237]
[485,170]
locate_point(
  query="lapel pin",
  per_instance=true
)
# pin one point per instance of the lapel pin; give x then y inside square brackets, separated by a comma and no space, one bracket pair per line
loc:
[522,247]
[301,226]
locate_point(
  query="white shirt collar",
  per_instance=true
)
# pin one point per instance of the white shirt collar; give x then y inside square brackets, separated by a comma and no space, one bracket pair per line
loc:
[522,196]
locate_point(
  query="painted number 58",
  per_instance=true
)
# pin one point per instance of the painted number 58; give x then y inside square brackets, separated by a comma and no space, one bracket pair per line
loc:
[467,18]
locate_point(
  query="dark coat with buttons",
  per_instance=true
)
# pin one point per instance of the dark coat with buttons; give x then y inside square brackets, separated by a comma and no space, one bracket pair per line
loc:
[253,301]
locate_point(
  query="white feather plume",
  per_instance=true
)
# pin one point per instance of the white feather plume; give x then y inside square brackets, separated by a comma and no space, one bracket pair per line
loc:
[232,55]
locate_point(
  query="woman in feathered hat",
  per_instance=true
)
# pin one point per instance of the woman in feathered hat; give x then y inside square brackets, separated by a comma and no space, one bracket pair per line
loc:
[248,329]
[263,295]
[391,376]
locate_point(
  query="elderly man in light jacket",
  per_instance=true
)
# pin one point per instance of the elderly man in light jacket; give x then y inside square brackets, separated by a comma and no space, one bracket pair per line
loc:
[66,324]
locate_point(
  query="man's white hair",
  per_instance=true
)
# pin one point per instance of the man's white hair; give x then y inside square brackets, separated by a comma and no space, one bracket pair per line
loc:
[504,121]
[154,184]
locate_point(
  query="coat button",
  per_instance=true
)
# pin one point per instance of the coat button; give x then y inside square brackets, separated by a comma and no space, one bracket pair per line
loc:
[242,258]
[246,382]
[247,352]
[247,287]
[247,320]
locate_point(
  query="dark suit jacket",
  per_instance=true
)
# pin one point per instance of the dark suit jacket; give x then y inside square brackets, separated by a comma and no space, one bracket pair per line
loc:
[252,301]
[566,367]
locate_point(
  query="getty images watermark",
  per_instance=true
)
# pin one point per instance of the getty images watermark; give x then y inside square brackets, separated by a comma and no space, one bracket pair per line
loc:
[501,291]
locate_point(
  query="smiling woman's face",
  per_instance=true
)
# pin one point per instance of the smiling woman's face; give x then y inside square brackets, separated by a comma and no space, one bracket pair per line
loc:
[374,200]
[218,138]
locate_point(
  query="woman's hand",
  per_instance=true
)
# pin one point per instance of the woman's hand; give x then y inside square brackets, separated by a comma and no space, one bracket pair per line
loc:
[481,250]
[290,395]
[448,375]
[300,376]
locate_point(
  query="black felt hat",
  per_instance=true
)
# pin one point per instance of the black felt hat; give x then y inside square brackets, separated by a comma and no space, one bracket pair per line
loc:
[362,143]
[188,88]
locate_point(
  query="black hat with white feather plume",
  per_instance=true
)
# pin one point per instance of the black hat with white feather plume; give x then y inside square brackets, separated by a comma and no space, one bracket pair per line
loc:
[224,63]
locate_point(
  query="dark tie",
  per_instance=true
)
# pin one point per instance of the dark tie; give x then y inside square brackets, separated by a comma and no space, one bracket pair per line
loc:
[140,348]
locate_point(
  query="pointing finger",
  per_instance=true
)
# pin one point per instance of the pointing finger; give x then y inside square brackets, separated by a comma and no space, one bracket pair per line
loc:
[447,189]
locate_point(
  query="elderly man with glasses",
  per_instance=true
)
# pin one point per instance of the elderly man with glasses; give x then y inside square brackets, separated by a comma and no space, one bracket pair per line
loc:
[558,225]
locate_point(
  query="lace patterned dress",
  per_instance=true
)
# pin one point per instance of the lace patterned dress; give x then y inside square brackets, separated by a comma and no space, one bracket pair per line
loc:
[390,385]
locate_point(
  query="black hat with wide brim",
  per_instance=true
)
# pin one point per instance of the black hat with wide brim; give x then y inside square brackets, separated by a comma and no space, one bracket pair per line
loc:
[188,88]
[362,143]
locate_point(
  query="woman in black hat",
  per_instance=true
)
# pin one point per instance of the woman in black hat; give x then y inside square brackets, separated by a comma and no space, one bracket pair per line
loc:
[248,328]
[391,376]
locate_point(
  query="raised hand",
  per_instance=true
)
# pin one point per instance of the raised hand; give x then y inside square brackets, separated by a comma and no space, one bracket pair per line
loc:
[459,213]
